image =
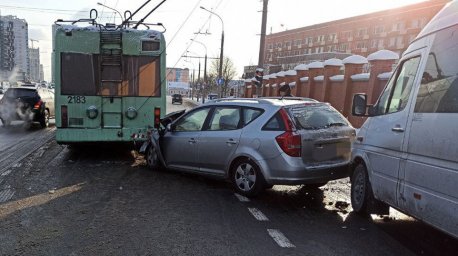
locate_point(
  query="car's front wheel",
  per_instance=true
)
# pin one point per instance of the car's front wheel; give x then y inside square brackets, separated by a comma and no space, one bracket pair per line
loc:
[247,178]
[152,159]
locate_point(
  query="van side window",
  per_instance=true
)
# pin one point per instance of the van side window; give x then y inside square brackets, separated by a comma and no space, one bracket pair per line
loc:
[396,94]
[438,92]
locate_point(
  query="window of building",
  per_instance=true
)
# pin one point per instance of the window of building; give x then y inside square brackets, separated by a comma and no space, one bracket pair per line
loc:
[346,34]
[381,43]
[392,41]
[379,30]
[362,31]
[415,23]
[398,26]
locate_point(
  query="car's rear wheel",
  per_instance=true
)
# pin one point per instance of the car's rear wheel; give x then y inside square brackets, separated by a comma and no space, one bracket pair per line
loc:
[247,178]
[44,120]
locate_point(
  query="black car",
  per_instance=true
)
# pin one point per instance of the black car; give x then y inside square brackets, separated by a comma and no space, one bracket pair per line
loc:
[28,104]
[177,98]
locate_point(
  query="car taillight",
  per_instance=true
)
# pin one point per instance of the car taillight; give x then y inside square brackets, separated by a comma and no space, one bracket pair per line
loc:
[64,116]
[38,105]
[289,142]
[157,117]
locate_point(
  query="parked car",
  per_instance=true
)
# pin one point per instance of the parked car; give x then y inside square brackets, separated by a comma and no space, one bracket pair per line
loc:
[406,152]
[27,103]
[256,143]
[212,96]
[177,98]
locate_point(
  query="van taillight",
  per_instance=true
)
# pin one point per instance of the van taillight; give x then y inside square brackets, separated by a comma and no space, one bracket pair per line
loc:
[290,141]
[38,105]
[157,117]
[64,116]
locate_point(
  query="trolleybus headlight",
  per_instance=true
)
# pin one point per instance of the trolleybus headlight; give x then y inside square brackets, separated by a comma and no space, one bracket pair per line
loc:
[92,112]
[131,113]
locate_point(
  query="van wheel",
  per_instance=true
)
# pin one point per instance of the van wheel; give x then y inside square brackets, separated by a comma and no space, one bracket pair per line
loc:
[152,160]
[247,178]
[361,191]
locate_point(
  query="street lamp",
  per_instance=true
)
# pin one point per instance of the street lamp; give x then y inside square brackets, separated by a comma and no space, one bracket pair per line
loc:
[220,71]
[205,67]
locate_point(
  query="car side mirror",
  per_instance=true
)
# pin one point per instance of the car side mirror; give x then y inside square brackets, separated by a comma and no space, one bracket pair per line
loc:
[170,127]
[359,105]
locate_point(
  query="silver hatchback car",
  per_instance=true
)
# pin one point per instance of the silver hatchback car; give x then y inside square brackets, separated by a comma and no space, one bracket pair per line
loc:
[256,143]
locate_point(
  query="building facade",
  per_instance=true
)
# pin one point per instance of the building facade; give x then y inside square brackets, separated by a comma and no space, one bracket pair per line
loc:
[178,75]
[34,62]
[391,29]
[178,81]
[14,32]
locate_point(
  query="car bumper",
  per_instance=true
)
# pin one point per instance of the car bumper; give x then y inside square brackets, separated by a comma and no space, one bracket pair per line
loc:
[285,170]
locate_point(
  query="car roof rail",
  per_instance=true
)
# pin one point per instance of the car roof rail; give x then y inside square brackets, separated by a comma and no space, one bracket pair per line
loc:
[265,99]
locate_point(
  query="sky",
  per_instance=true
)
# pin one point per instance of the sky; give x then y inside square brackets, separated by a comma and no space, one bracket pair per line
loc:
[184,20]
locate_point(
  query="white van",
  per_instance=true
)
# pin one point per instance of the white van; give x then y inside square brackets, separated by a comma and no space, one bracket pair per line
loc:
[406,153]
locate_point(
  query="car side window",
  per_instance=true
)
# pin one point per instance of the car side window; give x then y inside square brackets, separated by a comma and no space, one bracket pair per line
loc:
[250,114]
[192,122]
[396,94]
[438,92]
[274,124]
[225,118]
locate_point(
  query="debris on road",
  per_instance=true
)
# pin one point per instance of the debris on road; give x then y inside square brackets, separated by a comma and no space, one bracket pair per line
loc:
[139,159]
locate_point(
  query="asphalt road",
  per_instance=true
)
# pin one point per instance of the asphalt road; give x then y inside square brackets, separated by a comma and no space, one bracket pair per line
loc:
[92,201]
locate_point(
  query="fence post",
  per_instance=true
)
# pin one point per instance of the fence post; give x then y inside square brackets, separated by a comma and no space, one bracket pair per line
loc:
[302,71]
[331,68]
[353,65]
[315,69]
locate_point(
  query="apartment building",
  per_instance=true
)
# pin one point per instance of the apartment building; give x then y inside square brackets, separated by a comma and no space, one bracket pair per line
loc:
[391,29]
[14,55]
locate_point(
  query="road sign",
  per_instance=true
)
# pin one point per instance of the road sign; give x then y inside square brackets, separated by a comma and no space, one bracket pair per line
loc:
[220,81]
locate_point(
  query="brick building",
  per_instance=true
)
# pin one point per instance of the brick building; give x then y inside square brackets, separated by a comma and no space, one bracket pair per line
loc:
[391,29]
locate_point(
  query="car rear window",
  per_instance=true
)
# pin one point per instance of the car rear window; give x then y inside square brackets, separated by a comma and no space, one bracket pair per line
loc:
[316,116]
[21,93]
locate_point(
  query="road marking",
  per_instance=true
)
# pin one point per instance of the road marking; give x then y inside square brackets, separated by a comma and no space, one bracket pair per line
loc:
[241,198]
[280,239]
[258,214]
[6,195]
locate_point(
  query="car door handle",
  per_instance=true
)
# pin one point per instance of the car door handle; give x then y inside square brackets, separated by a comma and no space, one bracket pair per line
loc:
[397,128]
[192,140]
[231,141]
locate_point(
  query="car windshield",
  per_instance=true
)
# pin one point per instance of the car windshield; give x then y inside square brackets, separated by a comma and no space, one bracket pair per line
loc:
[20,93]
[317,116]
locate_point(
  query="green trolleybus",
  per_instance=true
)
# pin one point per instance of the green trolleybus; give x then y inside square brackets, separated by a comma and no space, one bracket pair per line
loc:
[109,80]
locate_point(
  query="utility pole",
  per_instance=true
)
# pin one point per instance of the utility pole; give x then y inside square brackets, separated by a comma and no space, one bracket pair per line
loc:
[262,43]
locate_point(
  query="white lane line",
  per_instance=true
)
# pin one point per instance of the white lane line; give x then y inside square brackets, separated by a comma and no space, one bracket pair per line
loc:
[241,198]
[6,195]
[258,214]
[280,239]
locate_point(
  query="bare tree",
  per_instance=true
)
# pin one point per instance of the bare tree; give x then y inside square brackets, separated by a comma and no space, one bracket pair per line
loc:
[229,72]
